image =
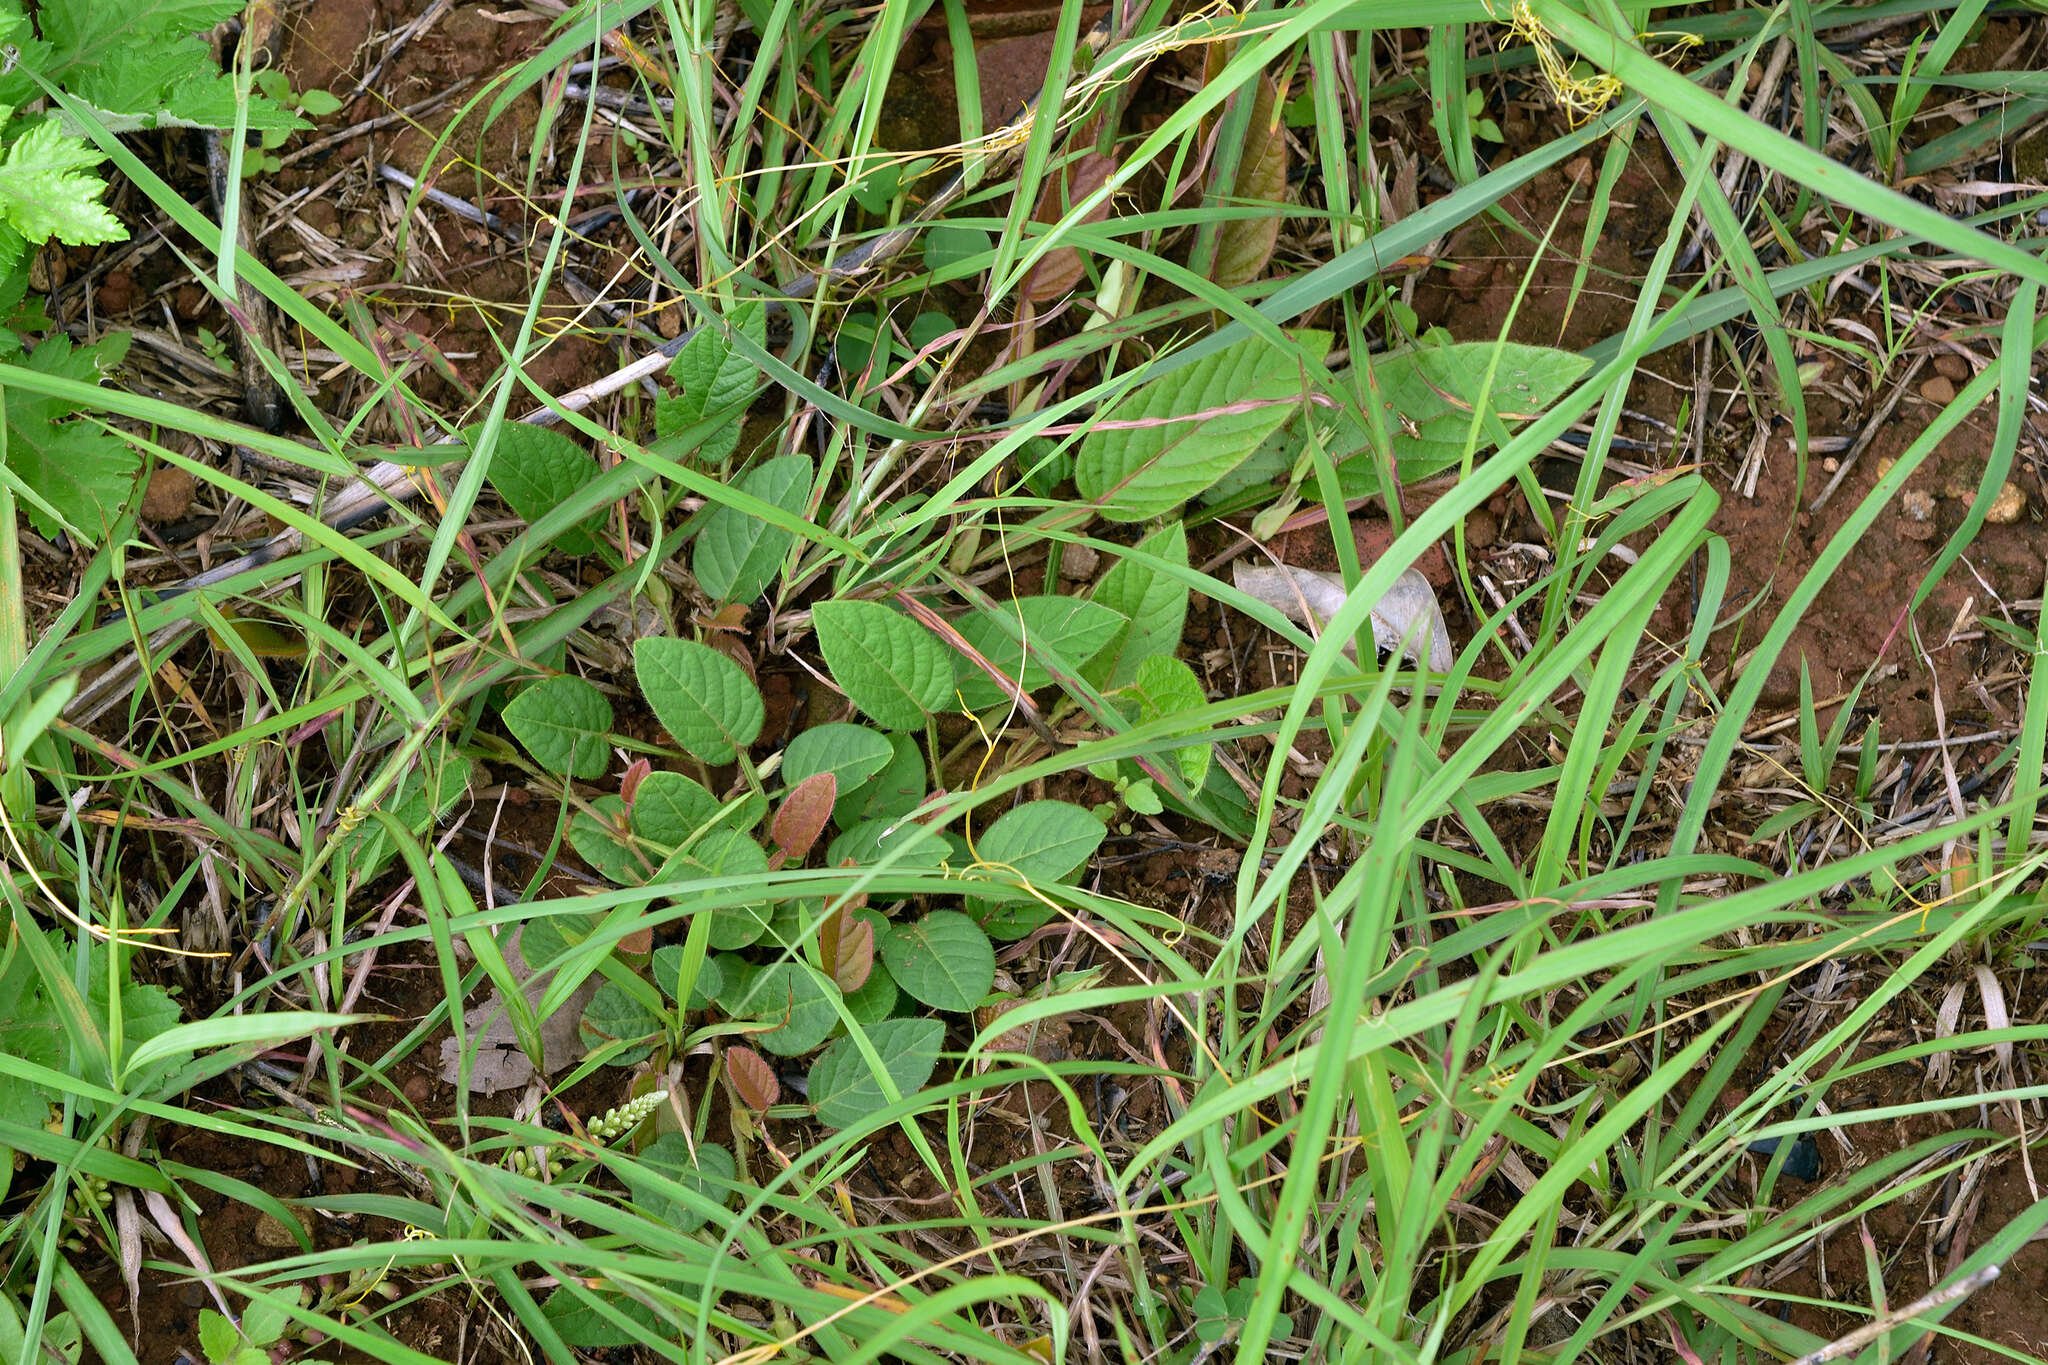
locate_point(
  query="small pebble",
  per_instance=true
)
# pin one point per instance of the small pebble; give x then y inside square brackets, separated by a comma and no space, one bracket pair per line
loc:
[1078,563]
[1482,529]
[1952,367]
[1917,504]
[271,1233]
[1938,390]
[2008,507]
[191,301]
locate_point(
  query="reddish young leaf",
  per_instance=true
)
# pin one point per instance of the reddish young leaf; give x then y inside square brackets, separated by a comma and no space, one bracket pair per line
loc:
[1059,270]
[753,1080]
[629,785]
[1246,244]
[847,947]
[804,812]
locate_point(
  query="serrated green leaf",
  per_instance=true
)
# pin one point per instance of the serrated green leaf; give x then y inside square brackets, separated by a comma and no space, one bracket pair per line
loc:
[704,1168]
[1071,629]
[1135,472]
[845,1090]
[669,807]
[1164,686]
[79,470]
[796,1001]
[218,1337]
[737,554]
[1154,604]
[700,696]
[564,723]
[887,664]
[712,375]
[614,1014]
[48,189]
[536,470]
[943,960]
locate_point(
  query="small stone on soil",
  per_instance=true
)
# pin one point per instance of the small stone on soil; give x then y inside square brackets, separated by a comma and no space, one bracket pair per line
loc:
[2008,507]
[1938,390]
[1078,563]
[1917,504]
[1952,367]
[272,1233]
[1482,529]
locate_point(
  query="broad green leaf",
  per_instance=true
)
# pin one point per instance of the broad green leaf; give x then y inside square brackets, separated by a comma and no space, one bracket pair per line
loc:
[851,753]
[895,791]
[537,469]
[875,1000]
[598,836]
[947,245]
[1427,396]
[730,857]
[796,1001]
[563,722]
[1164,686]
[669,808]
[1146,470]
[887,664]
[668,973]
[218,1336]
[911,844]
[1155,604]
[712,375]
[1043,842]
[1071,628]
[703,1168]
[737,554]
[614,1014]
[943,960]
[845,1090]
[700,696]
[580,1324]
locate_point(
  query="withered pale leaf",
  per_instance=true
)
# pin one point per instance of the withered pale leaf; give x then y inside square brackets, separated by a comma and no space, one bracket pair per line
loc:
[1245,245]
[1060,269]
[1407,619]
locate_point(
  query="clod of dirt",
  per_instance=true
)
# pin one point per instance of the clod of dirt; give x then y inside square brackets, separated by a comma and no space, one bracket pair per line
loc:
[2008,507]
[1078,563]
[1938,390]
[1482,529]
[117,292]
[170,495]
[1408,618]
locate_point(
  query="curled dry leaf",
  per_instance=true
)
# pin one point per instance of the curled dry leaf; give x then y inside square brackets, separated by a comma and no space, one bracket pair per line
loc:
[1059,270]
[500,1063]
[847,947]
[803,813]
[1407,619]
[1245,245]
[753,1080]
